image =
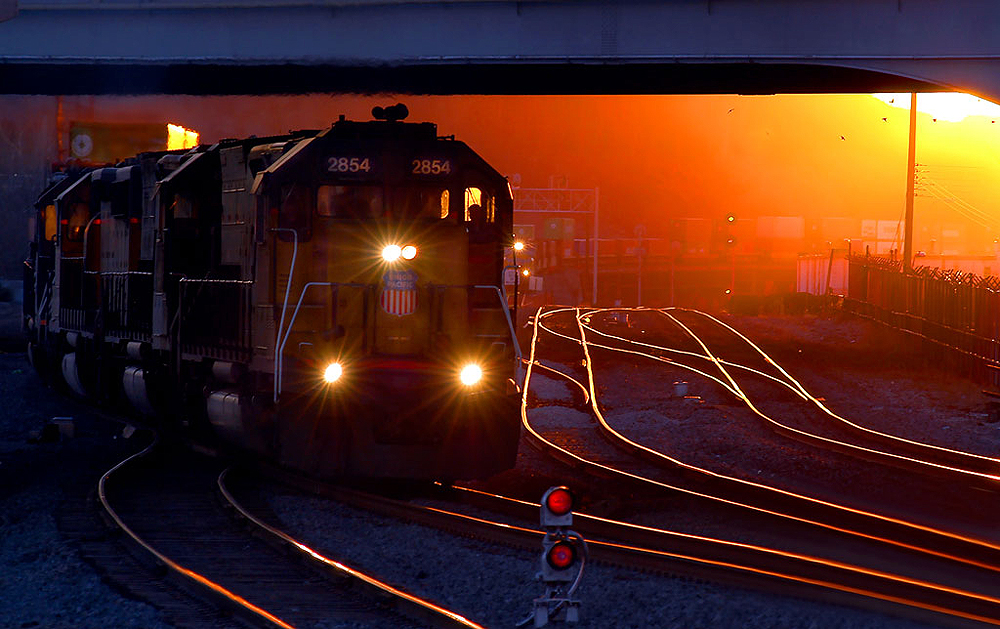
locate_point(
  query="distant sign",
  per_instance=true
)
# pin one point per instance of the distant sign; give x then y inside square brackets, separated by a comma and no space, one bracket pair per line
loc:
[8,9]
[105,142]
[888,230]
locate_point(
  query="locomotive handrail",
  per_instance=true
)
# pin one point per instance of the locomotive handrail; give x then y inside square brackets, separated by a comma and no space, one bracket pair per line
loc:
[206,280]
[284,307]
[502,295]
[288,288]
[279,361]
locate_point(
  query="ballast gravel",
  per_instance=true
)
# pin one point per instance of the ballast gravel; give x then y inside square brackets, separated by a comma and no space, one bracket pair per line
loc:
[494,586]
[44,583]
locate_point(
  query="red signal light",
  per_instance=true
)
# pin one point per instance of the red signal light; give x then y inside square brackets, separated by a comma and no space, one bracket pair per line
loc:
[559,501]
[562,555]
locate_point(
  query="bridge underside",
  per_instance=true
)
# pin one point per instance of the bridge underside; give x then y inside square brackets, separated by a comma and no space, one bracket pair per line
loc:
[498,46]
[495,77]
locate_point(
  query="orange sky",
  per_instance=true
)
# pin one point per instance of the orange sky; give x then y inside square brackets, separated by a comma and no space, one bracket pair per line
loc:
[659,156]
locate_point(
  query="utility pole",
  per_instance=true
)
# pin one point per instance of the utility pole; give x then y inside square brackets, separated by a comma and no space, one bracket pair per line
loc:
[911,154]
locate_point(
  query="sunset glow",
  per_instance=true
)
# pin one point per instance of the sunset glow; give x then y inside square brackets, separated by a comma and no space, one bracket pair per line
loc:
[945,106]
[180,138]
[830,165]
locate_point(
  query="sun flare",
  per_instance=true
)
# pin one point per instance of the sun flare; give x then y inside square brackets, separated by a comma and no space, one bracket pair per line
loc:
[946,106]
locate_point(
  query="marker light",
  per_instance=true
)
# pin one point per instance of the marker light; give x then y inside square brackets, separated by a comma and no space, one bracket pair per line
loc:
[559,501]
[391,253]
[518,246]
[471,374]
[332,372]
[561,555]
[409,252]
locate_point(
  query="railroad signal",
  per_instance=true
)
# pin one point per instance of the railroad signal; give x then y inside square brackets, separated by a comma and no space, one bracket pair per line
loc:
[557,508]
[564,553]
[558,560]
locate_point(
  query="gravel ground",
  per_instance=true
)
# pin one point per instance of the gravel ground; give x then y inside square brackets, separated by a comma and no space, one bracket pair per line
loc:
[494,586]
[875,383]
[43,583]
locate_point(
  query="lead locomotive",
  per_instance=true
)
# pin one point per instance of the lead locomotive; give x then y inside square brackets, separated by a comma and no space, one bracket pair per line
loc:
[330,299]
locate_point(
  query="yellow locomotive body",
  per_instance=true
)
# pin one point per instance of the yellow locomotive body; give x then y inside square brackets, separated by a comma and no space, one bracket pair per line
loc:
[333,299]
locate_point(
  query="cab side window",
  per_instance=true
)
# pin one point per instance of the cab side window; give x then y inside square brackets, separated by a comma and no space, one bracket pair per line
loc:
[480,207]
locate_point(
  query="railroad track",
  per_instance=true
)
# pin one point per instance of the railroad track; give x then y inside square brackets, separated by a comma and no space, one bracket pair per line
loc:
[618,543]
[911,538]
[670,553]
[165,503]
[755,496]
[965,467]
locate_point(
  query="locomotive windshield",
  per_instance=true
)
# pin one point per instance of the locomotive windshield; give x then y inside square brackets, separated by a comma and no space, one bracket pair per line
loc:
[361,202]
[354,202]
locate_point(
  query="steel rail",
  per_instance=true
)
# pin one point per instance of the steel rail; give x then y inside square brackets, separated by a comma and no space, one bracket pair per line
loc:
[221,595]
[976,458]
[670,552]
[406,603]
[842,446]
[674,350]
[880,528]
[971,477]
[789,382]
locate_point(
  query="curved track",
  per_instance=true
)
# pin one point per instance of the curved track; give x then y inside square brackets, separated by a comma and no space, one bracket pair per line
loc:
[909,537]
[168,509]
[966,467]
[668,552]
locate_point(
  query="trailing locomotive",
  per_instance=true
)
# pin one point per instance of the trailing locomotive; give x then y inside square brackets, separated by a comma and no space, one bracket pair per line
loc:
[332,299]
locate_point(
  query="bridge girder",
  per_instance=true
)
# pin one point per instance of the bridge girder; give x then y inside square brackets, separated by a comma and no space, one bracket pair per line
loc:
[499,47]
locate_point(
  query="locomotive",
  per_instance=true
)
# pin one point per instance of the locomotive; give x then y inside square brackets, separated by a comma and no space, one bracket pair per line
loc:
[330,299]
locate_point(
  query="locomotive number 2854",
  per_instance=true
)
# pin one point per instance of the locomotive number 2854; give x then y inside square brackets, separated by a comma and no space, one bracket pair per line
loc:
[348,165]
[431,166]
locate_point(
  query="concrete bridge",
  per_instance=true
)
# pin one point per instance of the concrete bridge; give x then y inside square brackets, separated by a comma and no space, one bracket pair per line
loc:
[498,47]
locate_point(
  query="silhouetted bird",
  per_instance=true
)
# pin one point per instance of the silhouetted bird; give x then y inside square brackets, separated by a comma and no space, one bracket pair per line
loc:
[842,138]
[730,111]
[885,120]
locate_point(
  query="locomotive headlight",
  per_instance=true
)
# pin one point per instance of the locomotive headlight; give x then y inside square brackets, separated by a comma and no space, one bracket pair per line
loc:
[409,252]
[471,374]
[333,372]
[391,253]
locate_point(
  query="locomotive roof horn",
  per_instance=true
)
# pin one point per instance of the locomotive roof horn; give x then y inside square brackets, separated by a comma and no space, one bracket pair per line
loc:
[393,113]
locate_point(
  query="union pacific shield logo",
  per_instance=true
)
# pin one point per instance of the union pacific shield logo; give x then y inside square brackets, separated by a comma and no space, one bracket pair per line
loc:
[399,293]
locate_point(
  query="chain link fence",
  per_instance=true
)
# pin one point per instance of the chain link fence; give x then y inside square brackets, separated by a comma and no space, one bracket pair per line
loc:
[952,310]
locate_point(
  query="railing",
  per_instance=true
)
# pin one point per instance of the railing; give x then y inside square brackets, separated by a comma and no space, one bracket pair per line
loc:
[127,303]
[215,318]
[951,309]
[283,334]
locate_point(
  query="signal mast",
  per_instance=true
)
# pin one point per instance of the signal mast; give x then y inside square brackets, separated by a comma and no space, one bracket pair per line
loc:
[564,553]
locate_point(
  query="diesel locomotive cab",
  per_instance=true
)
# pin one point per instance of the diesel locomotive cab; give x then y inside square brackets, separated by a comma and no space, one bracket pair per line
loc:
[395,340]
[331,299]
